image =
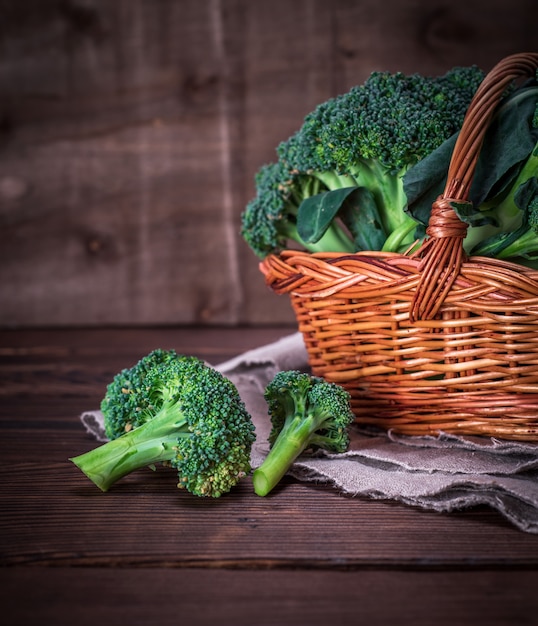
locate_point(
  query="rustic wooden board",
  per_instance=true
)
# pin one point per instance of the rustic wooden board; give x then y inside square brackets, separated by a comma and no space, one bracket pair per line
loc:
[53,515]
[147,553]
[66,596]
[130,133]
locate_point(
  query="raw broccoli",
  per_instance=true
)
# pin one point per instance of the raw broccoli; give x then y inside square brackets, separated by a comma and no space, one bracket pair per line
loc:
[512,212]
[306,412]
[525,239]
[516,220]
[126,404]
[501,215]
[343,168]
[270,219]
[175,409]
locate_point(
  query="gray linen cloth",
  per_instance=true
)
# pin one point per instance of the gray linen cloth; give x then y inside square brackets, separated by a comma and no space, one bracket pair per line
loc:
[443,473]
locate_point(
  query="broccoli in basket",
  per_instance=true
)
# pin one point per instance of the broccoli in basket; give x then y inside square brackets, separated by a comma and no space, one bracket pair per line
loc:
[175,409]
[502,216]
[337,184]
[306,412]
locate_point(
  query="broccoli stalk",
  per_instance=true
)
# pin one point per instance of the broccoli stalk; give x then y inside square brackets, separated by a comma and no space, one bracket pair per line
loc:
[153,442]
[387,191]
[174,409]
[305,412]
[526,245]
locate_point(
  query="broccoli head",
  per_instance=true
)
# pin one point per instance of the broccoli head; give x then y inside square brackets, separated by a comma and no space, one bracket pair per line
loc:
[306,412]
[175,409]
[352,152]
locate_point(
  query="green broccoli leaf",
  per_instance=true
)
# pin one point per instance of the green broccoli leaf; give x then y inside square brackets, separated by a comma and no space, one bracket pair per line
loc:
[468,213]
[317,213]
[425,181]
[354,206]
[526,193]
[361,216]
[508,143]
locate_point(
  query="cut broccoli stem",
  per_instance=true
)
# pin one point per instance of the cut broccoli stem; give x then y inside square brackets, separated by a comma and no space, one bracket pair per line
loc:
[153,442]
[173,408]
[291,441]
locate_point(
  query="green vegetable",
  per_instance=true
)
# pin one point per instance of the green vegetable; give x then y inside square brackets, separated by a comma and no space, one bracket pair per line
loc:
[175,409]
[305,412]
[338,182]
[502,214]
[270,220]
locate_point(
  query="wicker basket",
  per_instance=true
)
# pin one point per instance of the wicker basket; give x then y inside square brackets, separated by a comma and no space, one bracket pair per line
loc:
[429,341]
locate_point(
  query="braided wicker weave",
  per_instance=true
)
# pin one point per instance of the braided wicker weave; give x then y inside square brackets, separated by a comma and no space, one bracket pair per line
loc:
[430,341]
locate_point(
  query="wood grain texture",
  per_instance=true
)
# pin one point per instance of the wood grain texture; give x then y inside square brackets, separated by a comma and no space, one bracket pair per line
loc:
[108,596]
[147,553]
[130,133]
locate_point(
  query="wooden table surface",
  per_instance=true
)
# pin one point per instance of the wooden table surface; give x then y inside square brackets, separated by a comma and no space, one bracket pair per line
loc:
[146,553]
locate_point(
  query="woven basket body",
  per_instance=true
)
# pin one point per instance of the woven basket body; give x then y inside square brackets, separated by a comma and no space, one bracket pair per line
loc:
[431,341]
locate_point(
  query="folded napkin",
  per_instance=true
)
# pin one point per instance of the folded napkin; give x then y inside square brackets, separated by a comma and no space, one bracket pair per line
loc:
[442,473]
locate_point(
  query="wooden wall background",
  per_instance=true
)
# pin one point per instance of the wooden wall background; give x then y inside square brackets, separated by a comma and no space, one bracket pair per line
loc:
[131,130]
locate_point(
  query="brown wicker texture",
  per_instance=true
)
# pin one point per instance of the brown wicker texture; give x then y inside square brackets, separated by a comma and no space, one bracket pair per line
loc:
[429,341]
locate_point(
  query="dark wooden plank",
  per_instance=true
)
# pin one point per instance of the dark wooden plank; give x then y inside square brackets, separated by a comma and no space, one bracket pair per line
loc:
[51,514]
[215,344]
[131,133]
[82,596]
[80,363]
[119,164]
[54,517]
[429,37]
[147,553]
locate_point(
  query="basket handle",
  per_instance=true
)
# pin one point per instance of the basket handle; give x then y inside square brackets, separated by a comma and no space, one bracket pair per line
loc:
[442,253]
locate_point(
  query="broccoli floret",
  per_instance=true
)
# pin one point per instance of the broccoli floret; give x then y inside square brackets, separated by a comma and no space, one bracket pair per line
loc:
[270,219]
[365,139]
[177,410]
[306,412]
[126,403]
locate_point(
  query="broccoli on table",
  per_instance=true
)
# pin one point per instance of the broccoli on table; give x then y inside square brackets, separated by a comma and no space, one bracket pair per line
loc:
[126,402]
[338,181]
[306,412]
[175,409]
